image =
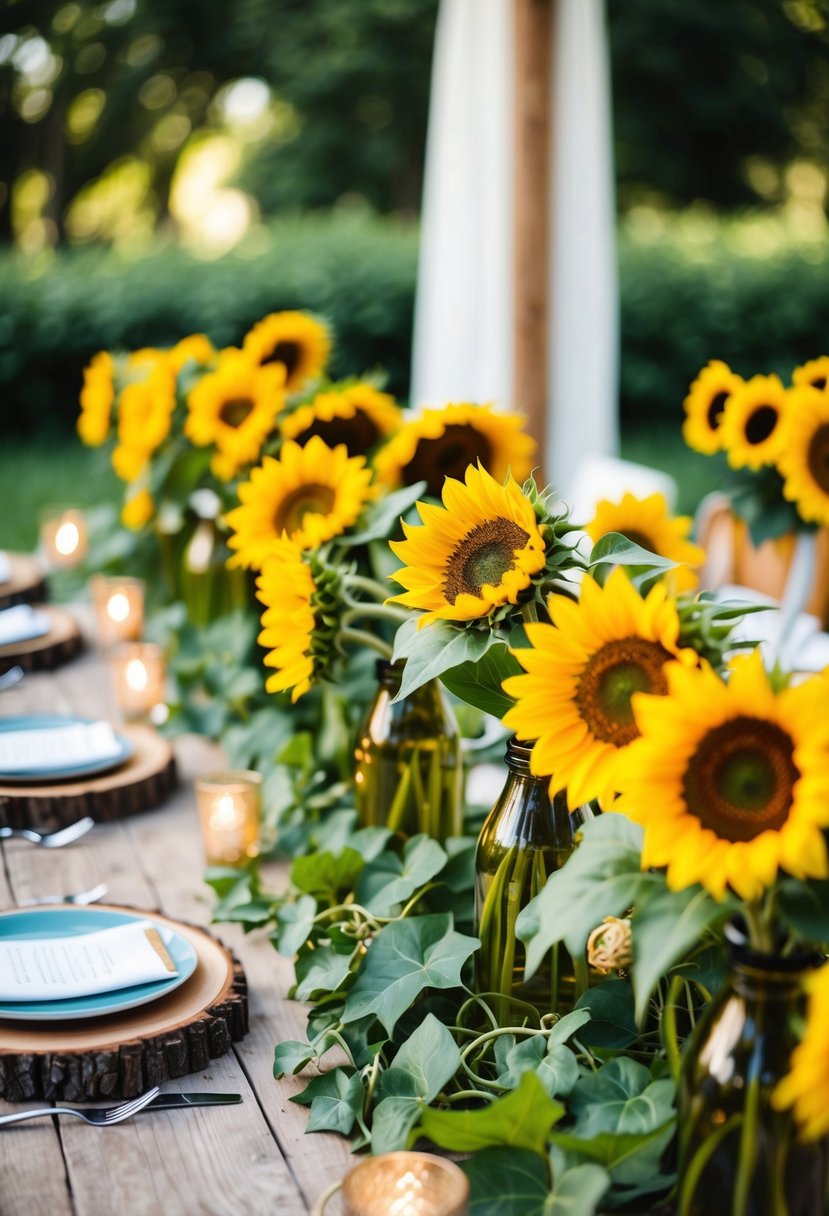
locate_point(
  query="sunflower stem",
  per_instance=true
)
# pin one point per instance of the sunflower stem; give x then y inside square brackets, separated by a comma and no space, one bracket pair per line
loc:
[361,637]
[383,612]
[760,932]
[359,582]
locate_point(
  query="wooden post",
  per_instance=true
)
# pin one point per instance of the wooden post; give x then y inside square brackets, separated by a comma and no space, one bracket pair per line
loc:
[533,54]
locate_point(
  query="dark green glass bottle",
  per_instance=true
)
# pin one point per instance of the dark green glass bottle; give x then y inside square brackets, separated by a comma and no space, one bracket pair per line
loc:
[525,838]
[408,763]
[739,1156]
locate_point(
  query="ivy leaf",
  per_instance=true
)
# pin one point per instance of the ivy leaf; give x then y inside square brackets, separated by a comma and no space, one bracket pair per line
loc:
[507,1182]
[294,924]
[667,926]
[479,683]
[321,971]
[392,881]
[430,1057]
[406,957]
[431,651]
[559,1070]
[805,908]
[621,1098]
[381,519]
[522,1118]
[612,1018]
[326,877]
[577,1191]
[554,1064]
[336,1099]
[603,877]
[568,1025]
[292,1056]
[610,1149]
[392,1121]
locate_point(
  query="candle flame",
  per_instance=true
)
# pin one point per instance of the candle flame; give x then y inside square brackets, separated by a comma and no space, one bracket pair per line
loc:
[67,538]
[225,815]
[118,607]
[136,675]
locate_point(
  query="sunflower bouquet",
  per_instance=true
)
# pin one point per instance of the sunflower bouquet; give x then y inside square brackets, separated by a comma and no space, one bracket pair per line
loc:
[775,439]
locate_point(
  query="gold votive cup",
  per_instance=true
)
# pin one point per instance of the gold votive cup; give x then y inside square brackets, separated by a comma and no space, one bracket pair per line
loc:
[139,670]
[119,609]
[405,1184]
[229,812]
[63,537]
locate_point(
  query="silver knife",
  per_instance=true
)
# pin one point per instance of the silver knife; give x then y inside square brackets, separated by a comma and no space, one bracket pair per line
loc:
[171,1101]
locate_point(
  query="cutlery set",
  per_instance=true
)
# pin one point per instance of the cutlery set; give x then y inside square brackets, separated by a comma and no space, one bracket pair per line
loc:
[107,1116]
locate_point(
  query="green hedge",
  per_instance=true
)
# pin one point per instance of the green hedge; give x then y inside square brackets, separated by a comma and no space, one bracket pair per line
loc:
[683,303]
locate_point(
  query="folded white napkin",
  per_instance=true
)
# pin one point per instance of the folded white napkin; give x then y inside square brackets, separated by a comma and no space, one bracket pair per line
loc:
[55,968]
[22,622]
[24,751]
[5,567]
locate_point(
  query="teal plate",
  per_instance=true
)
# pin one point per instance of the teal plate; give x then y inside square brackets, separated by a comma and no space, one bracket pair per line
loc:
[62,772]
[67,921]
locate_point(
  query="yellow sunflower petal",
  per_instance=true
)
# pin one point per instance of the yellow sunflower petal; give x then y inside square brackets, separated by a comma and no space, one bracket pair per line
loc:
[296,341]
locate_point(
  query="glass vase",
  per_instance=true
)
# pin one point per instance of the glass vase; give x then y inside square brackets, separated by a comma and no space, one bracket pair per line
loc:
[525,838]
[408,763]
[739,1156]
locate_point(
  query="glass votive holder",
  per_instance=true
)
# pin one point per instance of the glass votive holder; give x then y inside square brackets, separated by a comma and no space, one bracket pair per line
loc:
[229,812]
[405,1184]
[63,537]
[139,670]
[119,609]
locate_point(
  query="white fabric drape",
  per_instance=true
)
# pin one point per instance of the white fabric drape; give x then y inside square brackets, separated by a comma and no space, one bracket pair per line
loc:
[463,339]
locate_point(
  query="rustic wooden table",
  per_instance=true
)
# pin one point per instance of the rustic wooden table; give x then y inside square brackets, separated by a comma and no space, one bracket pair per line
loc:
[221,1161]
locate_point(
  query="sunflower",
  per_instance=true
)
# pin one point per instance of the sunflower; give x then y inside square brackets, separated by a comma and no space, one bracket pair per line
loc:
[751,422]
[473,555]
[814,374]
[580,672]
[144,418]
[296,340]
[97,396]
[196,348]
[138,510]
[704,406]
[807,1083]
[234,407]
[302,600]
[443,443]
[310,494]
[358,416]
[647,522]
[729,780]
[804,454]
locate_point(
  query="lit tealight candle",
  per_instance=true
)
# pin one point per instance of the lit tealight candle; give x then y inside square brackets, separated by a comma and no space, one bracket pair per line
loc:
[119,609]
[63,537]
[405,1184]
[139,671]
[229,806]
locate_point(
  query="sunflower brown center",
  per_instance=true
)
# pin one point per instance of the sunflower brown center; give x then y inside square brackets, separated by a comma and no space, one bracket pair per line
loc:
[483,556]
[447,456]
[740,780]
[819,382]
[610,678]
[286,353]
[715,409]
[818,457]
[312,499]
[760,424]
[639,538]
[234,412]
[359,434]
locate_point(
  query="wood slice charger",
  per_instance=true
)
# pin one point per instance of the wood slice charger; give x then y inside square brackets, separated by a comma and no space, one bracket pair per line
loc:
[26,583]
[140,783]
[62,643]
[122,1055]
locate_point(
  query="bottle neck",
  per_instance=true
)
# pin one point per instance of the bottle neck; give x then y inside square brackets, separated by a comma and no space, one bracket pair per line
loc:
[518,758]
[389,675]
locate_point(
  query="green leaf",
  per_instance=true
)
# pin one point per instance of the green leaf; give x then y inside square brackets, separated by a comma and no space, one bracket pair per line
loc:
[507,1182]
[805,908]
[390,881]
[435,649]
[558,1072]
[609,1149]
[614,548]
[294,924]
[479,683]
[554,1064]
[292,1056]
[621,1098]
[320,971]
[612,1019]
[391,1122]
[336,1101]
[405,958]
[522,1119]
[382,518]
[603,877]
[666,927]
[568,1025]
[326,877]
[577,1191]
[430,1057]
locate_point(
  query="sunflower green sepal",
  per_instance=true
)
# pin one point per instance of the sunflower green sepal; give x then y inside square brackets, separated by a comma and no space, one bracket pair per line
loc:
[708,626]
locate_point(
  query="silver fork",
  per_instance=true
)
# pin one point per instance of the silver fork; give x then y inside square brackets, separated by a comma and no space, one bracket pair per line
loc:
[50,840]
[11,677]
[90,896]
[99,1116]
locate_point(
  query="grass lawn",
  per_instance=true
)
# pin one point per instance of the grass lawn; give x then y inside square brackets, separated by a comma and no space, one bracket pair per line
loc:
[60,470]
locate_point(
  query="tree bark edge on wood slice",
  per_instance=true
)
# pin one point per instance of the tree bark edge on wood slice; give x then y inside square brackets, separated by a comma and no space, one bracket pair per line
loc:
[27,584]
[60,645]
